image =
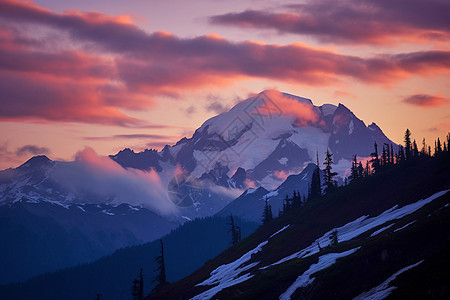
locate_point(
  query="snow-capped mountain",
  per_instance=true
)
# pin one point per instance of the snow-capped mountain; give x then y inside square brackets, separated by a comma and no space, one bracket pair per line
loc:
[260,142]
[268,134]
[262,147]
[257,143]
[48,222]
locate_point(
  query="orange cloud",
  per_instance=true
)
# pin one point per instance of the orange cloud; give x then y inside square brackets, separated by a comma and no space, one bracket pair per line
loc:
[281,174]
[427,101]
[106,64]
[305,113]
[354,22]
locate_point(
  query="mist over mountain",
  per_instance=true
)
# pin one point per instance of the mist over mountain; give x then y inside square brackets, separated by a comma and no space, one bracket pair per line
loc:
[261,148]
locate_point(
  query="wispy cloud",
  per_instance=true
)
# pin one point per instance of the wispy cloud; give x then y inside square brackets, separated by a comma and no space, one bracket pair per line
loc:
[106,181]
[32,150]
[131,136]
[216,104]
[94,68]
[427,101]
[352,21]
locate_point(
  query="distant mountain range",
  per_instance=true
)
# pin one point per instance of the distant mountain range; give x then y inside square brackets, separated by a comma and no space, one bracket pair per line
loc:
[263,147]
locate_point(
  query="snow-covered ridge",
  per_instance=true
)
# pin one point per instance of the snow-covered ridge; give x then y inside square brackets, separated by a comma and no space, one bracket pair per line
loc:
[305,279]
[359,226]
[384,290]
[230,274]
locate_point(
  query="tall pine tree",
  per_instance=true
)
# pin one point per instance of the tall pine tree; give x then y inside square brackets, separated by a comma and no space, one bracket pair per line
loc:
[315,189]
[161,268]
[354,170]
[415,150]
[235,231]
[137,291]
[328,176]
[408,145]
[424,148]
[267,214]
[374,160]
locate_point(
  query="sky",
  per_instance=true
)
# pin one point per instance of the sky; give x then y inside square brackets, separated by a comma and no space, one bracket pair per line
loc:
[110,74]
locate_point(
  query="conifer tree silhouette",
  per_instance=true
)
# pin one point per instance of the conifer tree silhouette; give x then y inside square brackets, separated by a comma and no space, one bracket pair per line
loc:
[424,147]
[161,268]
[407,144]
[374,160]
[235,231]
[137,290]
[267,214]
[315,189]
[330,182]
[415,150]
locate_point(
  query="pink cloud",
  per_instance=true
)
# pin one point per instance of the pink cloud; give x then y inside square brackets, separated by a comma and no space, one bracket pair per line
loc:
[250,184]
[109,182]
[281,174]
[106,64]
[305,114]
[427,101]
[352,21]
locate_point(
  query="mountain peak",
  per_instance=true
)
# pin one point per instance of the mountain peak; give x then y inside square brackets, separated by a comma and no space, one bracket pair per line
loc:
[36,161]
[274,95]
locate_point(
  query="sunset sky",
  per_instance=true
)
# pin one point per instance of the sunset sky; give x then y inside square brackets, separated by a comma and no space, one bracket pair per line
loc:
[110,74]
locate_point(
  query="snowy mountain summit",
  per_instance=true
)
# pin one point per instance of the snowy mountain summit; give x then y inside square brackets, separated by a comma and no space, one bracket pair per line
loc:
[270,136]
[258,143]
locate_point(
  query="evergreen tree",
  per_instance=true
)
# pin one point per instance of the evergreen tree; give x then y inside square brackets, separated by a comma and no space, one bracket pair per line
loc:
[438,147]
[391,158]
[137,290]
[401,155]
[415,150]
[374,160]
[330,182]
[424,147]
[448,141]
[161,268]
[296,200]
[360,170]
[407,144]
[384,158]
[267,214]
[388,154]
[367,169]
[315,189]
[285,204]
[141,286]
[235,232]
[354,170]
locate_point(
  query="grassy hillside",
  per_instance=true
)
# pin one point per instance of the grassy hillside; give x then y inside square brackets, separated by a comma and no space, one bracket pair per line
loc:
[378,257]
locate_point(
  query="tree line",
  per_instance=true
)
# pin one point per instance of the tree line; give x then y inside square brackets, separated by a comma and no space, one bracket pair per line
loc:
[377,163]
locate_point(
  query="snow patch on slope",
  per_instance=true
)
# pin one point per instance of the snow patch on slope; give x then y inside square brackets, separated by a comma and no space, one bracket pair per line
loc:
[229,274]
[403,227]
[305,279]
[384,290]
[360,226]
[381,230]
